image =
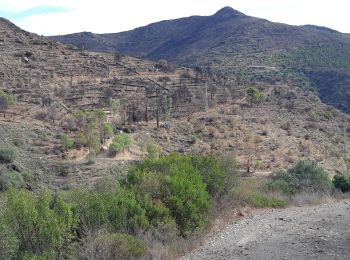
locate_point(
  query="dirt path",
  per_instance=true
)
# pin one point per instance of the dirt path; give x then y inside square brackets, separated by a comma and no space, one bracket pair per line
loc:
[312,232]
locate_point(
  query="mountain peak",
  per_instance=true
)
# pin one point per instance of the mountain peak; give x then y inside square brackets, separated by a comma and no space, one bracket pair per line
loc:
[228,11]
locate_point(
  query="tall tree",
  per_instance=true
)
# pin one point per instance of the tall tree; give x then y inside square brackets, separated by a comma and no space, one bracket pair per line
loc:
[114,106]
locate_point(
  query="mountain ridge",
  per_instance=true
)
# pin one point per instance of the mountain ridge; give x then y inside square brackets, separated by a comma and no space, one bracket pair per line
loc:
[235,45]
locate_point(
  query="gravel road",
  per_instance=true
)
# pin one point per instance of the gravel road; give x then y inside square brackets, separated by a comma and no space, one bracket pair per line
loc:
[311,232]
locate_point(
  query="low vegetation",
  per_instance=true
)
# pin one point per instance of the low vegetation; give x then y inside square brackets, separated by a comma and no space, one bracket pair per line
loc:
[160,201]
[120,143]
[304,176]
[170,194]
[342,183]
[7,155]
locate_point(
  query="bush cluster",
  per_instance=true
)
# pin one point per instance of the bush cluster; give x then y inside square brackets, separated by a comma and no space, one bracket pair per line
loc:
[304,176]
[120,143]
[174,191]
[342,183]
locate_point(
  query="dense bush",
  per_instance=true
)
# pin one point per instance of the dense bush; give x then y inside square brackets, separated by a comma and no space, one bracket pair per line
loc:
[120,143]
[219,174]
[158,195]
[43,224]
[118,210]
[342,183]
[303,176]
[7,155]
[9,244]
[211,171]
[176,184]
[11,179]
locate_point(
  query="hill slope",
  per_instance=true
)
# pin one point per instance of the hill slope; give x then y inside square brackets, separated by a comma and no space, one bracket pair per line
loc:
[51,80]
[242,47]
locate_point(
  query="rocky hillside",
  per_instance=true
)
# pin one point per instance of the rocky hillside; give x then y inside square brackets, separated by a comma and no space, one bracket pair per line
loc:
[208,113]
[241,47]
[42,74]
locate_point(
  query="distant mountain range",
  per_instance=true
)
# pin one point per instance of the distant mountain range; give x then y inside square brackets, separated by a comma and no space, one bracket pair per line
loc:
[239,46]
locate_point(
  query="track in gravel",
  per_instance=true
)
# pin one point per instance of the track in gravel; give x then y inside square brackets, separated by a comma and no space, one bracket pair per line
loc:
[311,232]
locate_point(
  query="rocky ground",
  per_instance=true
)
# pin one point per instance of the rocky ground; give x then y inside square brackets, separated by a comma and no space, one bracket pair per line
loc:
[312,232]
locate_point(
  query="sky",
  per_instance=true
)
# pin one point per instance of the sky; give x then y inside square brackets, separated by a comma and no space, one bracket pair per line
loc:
[53,17]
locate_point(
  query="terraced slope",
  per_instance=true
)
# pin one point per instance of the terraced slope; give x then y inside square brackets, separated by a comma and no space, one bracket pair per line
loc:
[42,73]
[50,80]
[245,48]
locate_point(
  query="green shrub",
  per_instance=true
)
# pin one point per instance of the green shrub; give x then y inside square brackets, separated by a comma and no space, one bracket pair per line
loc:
[282,186]
[342,183]
[118,209]
[232,178]
[120,143]
[152,151]
[7,155]
[67,142]
[347,158]
[304,176]
[107,130]
[187,198]
[177,184]
[81,140]
[257,164]
[41,222]
[328,115]
[217,173]
[9,243]
[313,116]
[255,95]
[11,179]
[211,171]
[260,200]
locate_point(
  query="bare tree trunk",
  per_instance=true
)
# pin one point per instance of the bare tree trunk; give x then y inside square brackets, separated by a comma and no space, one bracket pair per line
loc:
[157,115]
[146,112]
[125,115]
[206,105]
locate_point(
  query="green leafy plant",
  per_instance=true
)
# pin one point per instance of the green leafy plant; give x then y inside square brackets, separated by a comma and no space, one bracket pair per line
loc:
[255,95]
[328,115]
[120,143]
[260,200]
[67,142]
[152,151]
[107,130]
[9,243]
[304,176]
[42,223]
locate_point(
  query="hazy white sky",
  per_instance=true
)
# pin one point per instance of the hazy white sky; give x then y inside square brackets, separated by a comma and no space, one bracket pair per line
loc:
[50,17]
